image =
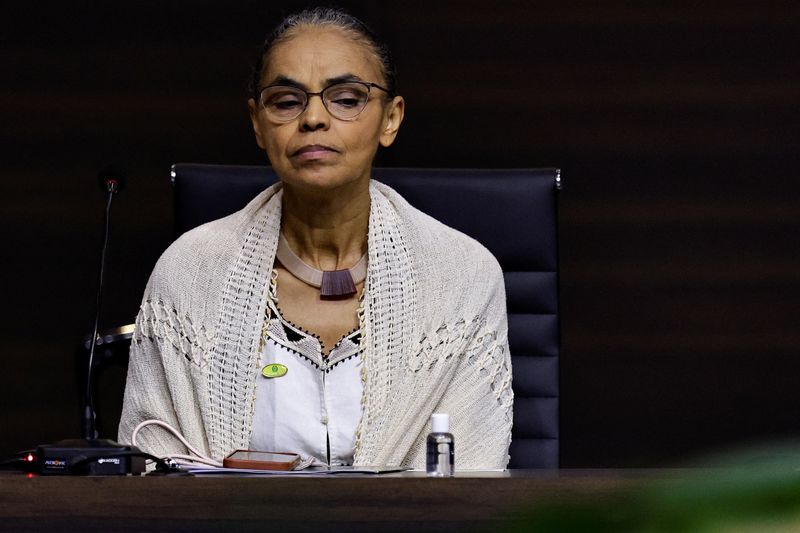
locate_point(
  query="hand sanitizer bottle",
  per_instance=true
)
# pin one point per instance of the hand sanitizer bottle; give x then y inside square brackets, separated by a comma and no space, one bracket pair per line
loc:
[441,451]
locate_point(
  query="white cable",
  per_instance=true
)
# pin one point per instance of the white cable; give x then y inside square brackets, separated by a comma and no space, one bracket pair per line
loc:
[200,457]
[189,460]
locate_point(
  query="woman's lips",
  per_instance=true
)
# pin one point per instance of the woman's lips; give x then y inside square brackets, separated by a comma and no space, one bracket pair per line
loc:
[313,152]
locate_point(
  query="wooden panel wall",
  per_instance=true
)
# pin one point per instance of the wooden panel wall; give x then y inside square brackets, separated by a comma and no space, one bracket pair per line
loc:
[676,127]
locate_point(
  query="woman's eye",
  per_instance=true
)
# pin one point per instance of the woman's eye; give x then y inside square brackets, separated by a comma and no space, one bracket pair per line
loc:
[283,100]
[346,101]
[286,103]
[347,98]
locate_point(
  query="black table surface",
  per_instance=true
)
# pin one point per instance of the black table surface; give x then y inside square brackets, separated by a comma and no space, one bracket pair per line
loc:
[410,501]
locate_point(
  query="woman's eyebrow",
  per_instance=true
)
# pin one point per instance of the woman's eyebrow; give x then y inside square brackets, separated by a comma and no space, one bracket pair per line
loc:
[285,80]
[342,78]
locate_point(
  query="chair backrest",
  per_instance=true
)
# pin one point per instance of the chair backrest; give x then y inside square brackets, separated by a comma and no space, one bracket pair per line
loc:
[511,212]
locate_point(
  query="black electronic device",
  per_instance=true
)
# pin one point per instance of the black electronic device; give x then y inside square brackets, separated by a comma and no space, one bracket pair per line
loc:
[96,457]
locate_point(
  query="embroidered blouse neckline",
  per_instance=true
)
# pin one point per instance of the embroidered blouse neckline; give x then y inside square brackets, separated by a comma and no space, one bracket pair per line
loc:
[307,344]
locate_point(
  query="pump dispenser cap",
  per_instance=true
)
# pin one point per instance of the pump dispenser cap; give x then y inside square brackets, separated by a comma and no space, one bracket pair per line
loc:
[440,423]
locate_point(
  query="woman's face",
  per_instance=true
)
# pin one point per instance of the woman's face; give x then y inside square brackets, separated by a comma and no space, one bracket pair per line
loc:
[316,150]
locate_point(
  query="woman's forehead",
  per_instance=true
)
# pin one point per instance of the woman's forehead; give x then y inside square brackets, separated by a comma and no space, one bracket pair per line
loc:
[314,54]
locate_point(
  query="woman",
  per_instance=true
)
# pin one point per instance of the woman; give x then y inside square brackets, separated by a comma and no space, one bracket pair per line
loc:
[408,315]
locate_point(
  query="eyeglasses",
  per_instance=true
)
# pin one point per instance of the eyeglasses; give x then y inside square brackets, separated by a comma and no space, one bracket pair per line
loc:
[345,100]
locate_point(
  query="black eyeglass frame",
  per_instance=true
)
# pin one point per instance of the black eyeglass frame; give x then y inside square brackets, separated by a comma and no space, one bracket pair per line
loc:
[367,84]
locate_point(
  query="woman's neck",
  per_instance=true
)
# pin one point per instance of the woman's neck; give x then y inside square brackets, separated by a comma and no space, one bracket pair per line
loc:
[327,229]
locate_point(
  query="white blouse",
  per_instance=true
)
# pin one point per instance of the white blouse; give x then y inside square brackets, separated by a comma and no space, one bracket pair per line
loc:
[315,407]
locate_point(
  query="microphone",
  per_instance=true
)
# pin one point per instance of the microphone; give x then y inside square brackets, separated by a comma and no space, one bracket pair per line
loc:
[93,455]
[112,180]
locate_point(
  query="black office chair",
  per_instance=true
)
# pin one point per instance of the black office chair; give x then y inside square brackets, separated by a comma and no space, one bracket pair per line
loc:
[511,212]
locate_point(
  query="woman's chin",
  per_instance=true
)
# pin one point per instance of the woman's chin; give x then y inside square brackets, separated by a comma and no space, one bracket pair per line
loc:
[321,178]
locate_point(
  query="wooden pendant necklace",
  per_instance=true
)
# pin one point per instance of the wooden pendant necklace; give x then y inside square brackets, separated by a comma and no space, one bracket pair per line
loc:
[332,283]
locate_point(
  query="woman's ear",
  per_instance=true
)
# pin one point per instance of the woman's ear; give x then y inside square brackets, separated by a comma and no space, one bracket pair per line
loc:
[392,118]
[253,109]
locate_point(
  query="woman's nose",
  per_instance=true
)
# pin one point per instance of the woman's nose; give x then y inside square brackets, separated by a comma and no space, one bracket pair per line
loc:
[315,116]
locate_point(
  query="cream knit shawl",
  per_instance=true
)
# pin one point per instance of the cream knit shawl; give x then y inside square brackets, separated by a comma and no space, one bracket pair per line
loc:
[434,321]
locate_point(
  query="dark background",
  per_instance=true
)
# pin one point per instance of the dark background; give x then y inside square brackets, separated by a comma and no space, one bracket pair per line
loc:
[675,125]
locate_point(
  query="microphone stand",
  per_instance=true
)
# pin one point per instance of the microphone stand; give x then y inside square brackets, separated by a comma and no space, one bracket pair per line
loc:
[89,416]
[90,454]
